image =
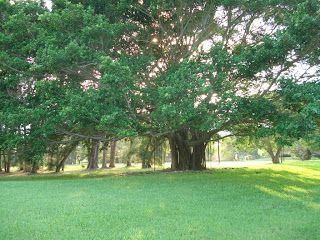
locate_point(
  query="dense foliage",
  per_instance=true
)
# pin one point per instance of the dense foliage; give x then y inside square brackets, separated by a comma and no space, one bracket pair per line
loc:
[87,71]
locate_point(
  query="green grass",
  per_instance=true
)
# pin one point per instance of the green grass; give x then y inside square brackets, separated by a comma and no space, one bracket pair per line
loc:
[263,202]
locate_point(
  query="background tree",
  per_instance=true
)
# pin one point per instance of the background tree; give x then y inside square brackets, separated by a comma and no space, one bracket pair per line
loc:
[113,146]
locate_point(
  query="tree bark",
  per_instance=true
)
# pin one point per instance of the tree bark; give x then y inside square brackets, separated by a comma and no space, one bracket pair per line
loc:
[0,161]
[112,154]
[93,151]
[129,155]
[183,156]
[34,167]
[60,165]
[174,153]
[146,157]
[307,155]
[274,157]
[96,154]
[104,157]
[50,164]
[4,161]
[301,152]
[8,163]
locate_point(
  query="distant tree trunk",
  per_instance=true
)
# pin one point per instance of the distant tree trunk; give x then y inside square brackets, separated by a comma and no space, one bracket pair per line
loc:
[21,158]
[96,154]
[185,157]
[8,163]
[274,157]
[302,152]
[90,155]
[174,153]
[307,155]
[60,165]
[50,164]
[4,161]
[129,163]
[90,159]
[146,158]
[0,161]
[93,154]
[104,157]
[21,166]
[112,154]
[27,166]
[34,167]
[129,155]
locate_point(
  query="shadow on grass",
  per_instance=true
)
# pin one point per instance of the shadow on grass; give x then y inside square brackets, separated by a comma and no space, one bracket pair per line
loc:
[78,175]
[300,184]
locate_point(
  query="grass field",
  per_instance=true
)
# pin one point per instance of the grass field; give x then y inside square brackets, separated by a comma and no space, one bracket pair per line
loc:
[261,202]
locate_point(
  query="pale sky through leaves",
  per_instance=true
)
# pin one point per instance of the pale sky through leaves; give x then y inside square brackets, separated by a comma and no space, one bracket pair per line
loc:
[298,70]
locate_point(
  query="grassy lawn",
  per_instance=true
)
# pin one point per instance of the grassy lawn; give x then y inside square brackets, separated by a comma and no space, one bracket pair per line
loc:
[262,202]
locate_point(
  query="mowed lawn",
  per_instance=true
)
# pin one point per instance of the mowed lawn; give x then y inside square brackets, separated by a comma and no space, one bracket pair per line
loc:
[262,202]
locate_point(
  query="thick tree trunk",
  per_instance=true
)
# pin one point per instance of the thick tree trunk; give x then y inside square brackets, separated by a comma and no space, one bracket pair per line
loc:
[93,151]
[274,157]
[112,154]
[185,157]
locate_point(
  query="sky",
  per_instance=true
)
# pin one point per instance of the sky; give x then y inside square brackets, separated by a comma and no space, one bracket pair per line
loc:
[48,3]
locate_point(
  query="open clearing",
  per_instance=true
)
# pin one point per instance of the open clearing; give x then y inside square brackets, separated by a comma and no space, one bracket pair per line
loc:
[258,202]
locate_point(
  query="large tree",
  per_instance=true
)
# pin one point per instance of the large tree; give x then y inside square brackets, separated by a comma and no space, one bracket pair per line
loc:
[187,70]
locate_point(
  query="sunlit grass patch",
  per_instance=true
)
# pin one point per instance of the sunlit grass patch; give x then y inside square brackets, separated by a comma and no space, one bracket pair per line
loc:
[266,202]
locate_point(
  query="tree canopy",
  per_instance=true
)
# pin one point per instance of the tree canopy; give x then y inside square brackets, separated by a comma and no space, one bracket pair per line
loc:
[185,70]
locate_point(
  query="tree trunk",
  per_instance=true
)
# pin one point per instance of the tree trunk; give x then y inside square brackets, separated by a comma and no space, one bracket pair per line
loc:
[146,157]
[129,163]
[129,155]
[21,166]
[307,155]
[50,164]
[92,154]
[34,167]
[0,161]
[185,157]
[104,158]
[274,157]
[8,163]
[112,154]
[174,153]
[301,152]
[60,165]
[96,154]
